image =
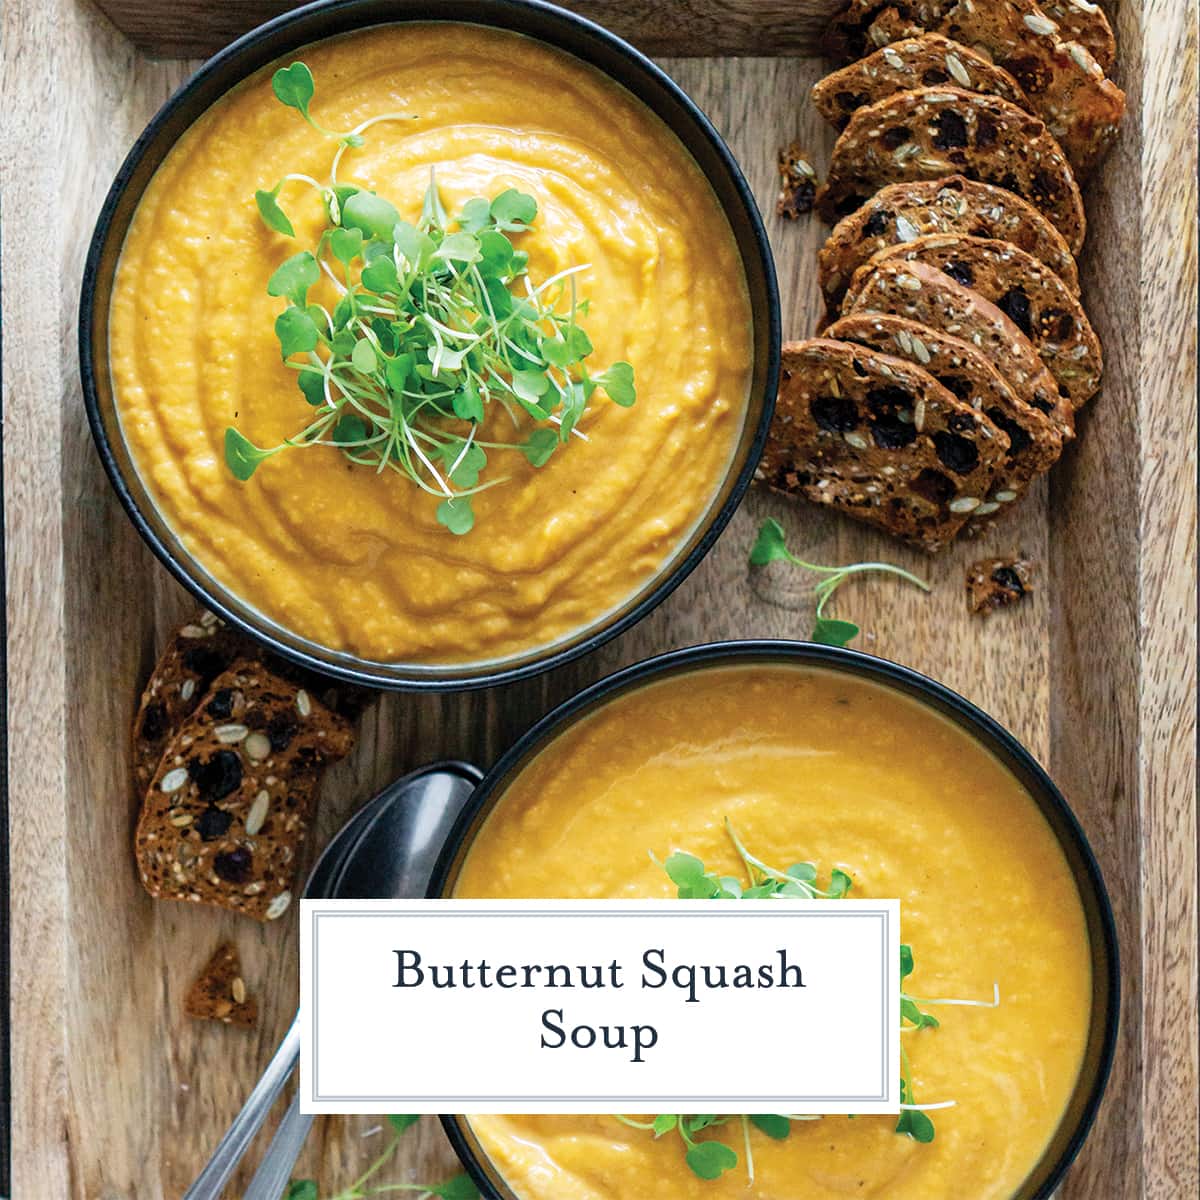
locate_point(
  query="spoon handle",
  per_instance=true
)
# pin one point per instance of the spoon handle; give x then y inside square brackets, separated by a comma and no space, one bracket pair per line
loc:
[276,1167]
[210,1182]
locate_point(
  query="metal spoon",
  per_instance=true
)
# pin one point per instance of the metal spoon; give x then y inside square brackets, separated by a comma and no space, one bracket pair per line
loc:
[399,834]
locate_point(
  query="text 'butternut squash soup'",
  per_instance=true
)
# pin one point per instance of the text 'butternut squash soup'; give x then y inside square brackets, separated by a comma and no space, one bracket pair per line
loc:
[767,774]
[432,343]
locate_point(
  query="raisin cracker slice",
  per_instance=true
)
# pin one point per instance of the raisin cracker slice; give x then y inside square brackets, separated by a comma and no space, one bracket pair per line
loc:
[227,811]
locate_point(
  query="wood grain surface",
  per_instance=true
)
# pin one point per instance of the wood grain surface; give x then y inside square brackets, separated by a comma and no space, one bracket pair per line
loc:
[116,1095]
[185,28]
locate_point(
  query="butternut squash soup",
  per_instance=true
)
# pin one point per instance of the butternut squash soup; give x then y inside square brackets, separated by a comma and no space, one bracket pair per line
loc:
[598,214]
[807,765]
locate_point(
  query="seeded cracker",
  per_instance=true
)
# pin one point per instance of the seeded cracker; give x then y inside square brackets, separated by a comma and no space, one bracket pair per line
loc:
[1084,22]
[197,652]
[925,61]
[997,583]
[1026,291]
[1065,84]
[960,367]
[228,807]
[904,212]
[879,439]
[934,132]
[926,294]
[219,992]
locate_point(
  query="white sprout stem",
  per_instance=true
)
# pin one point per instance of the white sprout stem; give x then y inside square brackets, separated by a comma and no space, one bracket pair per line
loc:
[463,452]
[360,128]
[575,432]
[297,178]
[929,1107]
[428,465]
[888,568]
[994,1002]
[566,273]
[337,283]
[749,1151]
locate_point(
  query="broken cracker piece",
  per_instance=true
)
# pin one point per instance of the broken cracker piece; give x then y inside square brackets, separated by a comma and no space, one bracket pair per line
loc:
[994,583]
[798,182]
[219,992]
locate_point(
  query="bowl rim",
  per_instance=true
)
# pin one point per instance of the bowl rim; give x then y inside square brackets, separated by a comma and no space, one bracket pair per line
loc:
[936,696]
[455,676]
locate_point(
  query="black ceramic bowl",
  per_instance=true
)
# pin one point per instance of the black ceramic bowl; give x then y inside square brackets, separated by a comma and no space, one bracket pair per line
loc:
[549,24]
[1081,1109]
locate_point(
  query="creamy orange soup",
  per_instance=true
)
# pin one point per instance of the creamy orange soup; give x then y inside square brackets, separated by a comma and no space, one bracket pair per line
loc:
[810,765]
[357,561]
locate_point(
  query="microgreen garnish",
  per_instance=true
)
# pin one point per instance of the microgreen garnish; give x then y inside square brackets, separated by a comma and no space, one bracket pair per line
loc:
[457,1187]
[693,881]
[771,546]
[434,326]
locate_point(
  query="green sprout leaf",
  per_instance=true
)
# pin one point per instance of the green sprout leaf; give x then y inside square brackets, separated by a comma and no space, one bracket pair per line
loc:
[242,456]
[459,247]
[363,357]
[296,331]
[770,545]
[312,384]
[400,1124]
[346,244]
[475,215]
[294,277]
[539,446]
[830,632]
[513,211]
[349,430]
[294,87]
[916,1124]
[457,515]
[273,217]
[459,1187]
[617,381]
[710,1160]
[773,1126]
[371,214]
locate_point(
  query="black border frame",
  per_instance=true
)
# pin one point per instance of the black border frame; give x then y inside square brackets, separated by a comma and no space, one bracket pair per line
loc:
[1081,1110]
[327,18]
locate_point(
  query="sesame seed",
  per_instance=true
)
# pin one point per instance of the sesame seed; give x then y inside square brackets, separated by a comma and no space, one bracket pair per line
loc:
[238,990]
[1039,24]
[955,67]
[303,703]
[230,735]
[987,507]
[187,689]
[194,631]
[278,906]
[172,781]
[258,812]
[856,440]
[1005,497]
[258,746]
[964,504]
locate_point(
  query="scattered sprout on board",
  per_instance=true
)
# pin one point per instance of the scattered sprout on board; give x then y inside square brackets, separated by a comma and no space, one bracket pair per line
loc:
[457,1187]
[436,324]
[771,545]
[711,1157]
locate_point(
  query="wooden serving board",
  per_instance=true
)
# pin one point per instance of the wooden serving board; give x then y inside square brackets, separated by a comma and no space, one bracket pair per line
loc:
[116,1096]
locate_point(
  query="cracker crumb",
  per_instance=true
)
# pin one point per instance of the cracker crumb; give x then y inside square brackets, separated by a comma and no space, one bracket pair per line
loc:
[994,583]
[798,182]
